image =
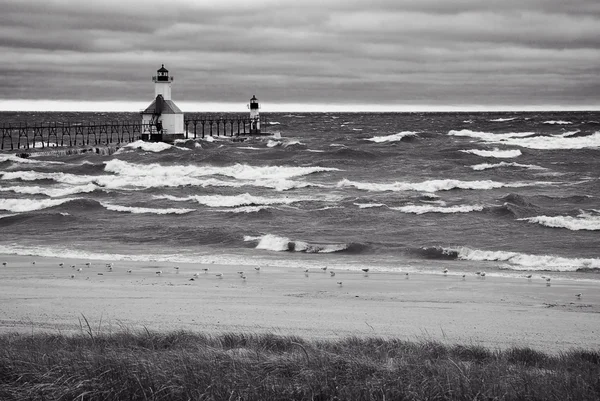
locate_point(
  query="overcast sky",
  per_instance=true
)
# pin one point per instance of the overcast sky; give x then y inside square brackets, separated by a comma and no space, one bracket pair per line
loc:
[391,54]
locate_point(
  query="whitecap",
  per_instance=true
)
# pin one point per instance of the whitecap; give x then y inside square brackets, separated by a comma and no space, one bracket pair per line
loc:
[501,120]
[497,153]
[486,166]
[559,122]
[429,186]
[144,210]
[394,137]
[421,209]
[51,192]
[584,221]
[29,205]
[522,261]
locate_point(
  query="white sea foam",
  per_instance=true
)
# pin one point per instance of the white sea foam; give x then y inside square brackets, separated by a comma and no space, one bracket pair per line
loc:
[497,153]
[237,171]
[429,186]
[155,147]
[274,123]
[277,243]
[22,160]
[369,205]
[557,142]
[28,205]
[559,122]
[64,178]
[421,209]
[140,210]
[584,221]
[246,209]
[486,166]
[233,200]
[249,148]
[133,176]
[51,192]
[394,137]
[501,120]
[521,261]
[531,141]
[272,143]
[489,136]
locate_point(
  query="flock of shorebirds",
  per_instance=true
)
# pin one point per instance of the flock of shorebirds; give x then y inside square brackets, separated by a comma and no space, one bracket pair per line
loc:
[241,274]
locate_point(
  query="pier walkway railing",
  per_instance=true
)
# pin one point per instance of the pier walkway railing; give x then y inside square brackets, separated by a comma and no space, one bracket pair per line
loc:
[69,134]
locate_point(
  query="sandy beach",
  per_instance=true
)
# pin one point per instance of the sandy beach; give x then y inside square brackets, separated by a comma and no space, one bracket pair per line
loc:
[496,312]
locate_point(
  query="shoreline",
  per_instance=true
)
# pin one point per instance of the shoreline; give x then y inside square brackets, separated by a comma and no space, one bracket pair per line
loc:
[496,312]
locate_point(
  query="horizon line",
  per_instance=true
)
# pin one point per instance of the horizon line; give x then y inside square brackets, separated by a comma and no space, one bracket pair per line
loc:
[42,105]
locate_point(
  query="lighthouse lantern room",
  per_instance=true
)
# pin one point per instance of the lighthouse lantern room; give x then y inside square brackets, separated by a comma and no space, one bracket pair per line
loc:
[254,116]
[162,120]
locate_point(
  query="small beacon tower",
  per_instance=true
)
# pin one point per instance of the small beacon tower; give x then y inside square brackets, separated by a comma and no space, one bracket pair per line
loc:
[254,116]
[162,121]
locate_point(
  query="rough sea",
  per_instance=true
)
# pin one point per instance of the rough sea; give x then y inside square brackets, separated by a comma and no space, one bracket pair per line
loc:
[507,193]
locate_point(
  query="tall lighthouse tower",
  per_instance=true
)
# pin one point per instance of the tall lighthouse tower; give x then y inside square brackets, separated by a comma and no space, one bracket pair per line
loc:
[162,120]
[254,116]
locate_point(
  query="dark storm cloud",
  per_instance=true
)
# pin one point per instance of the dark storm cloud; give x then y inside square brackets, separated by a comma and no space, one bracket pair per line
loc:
[450,52]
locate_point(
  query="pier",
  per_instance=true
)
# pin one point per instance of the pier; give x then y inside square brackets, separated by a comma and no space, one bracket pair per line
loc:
[42,135]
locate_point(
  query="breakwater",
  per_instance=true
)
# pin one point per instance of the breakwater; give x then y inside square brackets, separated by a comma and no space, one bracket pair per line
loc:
[25,135]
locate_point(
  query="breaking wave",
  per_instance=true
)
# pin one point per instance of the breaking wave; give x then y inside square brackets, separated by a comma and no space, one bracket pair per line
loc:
[497,153]
[148,146]
[583,221]
[421,209]
[569,140]
[486,166]
[501,120]
[51,192]
[514,260]
[234,200]
[28,205]
[558,122]
[144,210]
[428,186]
[237,171]
[394,137]
[276,243]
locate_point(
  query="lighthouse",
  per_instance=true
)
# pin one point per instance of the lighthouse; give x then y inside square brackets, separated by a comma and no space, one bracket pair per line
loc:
[254,116]
[162,120]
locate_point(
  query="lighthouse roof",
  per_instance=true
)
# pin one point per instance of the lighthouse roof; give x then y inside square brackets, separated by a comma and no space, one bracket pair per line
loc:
[169,107]
[162,69]
[254,97]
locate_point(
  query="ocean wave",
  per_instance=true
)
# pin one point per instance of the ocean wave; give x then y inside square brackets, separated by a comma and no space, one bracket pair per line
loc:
[51,192]
[154,147]
[540,142]
[277,243]
[422,209]
[583,221]
[490,136]
[497,153]
[486,166]
[428,186]
[144,210]
[394,137]
[247,209]
[31,175]
[369,205]
[514,260]
[237,171]
[558,122]
[274,123]
[233,200]
[501,120]
[28,205]
[22,160]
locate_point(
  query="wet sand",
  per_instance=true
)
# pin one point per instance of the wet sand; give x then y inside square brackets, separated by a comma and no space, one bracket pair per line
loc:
[496,312]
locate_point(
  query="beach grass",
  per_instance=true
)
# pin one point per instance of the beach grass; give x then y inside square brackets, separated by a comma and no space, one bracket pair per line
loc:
[181,365]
